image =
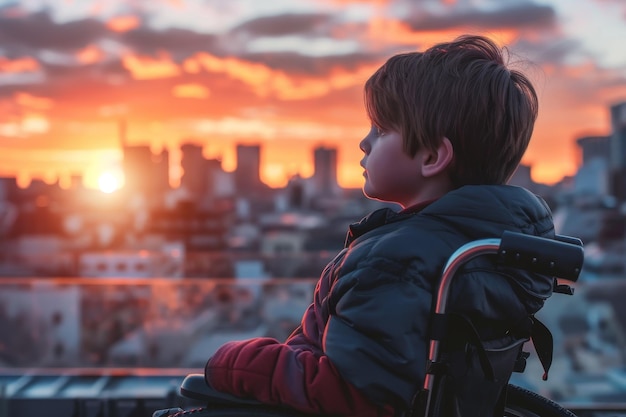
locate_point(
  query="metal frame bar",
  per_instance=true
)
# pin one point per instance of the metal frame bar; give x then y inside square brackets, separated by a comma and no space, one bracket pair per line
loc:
[461,256]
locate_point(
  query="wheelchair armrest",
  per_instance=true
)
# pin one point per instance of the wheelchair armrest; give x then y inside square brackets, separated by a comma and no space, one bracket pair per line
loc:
[561,257]
[194,386]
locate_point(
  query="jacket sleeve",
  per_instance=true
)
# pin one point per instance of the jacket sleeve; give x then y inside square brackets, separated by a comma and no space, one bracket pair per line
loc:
[277,374]
[377,334]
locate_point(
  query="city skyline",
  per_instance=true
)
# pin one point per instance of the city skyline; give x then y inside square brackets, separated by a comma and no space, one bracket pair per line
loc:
[284,76]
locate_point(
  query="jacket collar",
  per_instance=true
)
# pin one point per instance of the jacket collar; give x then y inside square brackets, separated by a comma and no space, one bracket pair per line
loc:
[381,217]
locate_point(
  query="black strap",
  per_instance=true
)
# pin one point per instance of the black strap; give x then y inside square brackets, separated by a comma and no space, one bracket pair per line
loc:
[474,338]
[465,331]
[453,327]
[543,342]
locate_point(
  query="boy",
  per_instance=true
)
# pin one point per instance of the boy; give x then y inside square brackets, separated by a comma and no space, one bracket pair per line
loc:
[449,127]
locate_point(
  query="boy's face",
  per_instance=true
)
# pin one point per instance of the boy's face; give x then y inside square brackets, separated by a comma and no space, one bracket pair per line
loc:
[390,174]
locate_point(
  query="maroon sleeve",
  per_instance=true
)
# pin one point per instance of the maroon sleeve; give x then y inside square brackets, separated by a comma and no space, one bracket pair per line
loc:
[278,374]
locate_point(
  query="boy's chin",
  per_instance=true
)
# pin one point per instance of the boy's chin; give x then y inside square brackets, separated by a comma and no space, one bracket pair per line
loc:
[371,194]
[367,192]
[376,197]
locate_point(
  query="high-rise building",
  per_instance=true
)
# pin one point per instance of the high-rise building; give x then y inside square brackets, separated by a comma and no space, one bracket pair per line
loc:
[144,172]
[325,174]
[594,147]
[247,173]
[618,150]
[201,177]
[194,178]
[593,175]
[618,135]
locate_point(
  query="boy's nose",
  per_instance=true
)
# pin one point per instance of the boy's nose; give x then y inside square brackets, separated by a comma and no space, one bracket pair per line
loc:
[364,145]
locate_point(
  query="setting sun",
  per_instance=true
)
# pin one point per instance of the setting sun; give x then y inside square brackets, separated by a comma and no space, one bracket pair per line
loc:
[108,182]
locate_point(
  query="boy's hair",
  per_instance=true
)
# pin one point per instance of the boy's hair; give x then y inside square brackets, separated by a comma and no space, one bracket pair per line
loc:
[461,90]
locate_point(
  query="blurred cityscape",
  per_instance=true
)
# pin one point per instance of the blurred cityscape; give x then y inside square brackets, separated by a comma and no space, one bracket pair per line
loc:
[158,277]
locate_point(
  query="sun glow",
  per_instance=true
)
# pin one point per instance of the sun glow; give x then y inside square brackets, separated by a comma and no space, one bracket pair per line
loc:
[108,182]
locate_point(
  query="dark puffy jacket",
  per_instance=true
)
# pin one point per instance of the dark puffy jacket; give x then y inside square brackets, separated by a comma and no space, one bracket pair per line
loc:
[361,348]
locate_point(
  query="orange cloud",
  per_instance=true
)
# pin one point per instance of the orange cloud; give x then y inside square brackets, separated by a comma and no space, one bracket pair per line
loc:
[123,23]
[33,102]
[26,64]
[146,68]
[256,75]
[340,79]
[266,81]
[35,124]
[190,91]
[29,124]
[89,55]
[192,66]
[22,116]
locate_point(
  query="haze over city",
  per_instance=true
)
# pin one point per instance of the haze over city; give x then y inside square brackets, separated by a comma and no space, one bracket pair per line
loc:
[285,75]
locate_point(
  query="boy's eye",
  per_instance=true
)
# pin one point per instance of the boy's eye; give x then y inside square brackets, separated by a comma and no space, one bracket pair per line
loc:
[379,131]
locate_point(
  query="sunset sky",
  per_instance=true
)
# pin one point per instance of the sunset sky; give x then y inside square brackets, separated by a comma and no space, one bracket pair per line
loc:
[282,73]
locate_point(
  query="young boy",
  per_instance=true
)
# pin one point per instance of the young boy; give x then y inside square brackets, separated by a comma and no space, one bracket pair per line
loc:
[449,127]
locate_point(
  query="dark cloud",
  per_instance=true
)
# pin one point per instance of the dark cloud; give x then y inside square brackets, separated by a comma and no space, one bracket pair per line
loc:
[285,24]
[98,72]
[294,62]
[305,25]
[32,32]
[63,78]
[178,42]
[516,16]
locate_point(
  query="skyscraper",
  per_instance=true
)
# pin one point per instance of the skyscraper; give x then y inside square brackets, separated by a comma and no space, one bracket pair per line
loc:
[325,175]
[594,147]
[200,175]
[618,150]
[144,172]
[247,173]
[194,178]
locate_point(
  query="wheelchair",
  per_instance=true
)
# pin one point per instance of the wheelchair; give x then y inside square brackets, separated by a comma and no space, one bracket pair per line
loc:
[561,258]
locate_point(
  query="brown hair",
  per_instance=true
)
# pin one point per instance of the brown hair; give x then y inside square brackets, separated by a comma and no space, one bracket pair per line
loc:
[461,90]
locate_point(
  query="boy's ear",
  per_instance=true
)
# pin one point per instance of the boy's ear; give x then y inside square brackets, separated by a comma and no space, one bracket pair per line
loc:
[436,161]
